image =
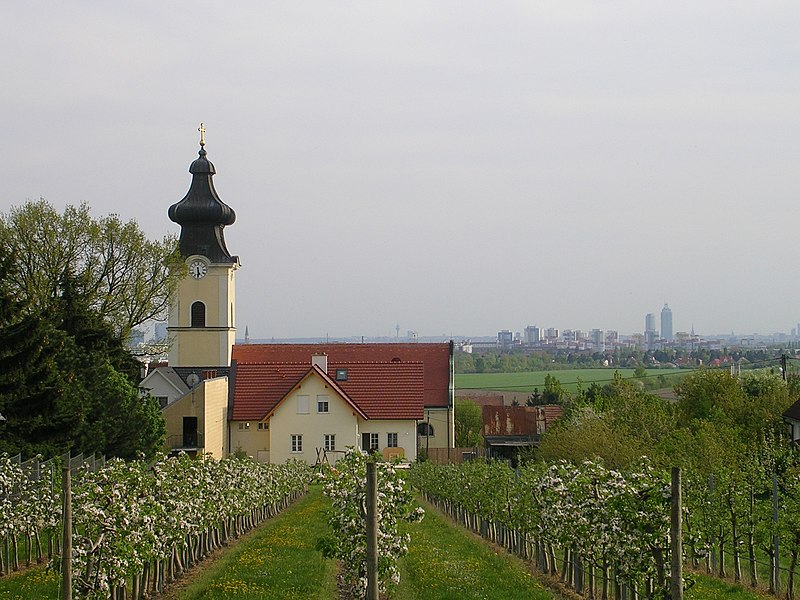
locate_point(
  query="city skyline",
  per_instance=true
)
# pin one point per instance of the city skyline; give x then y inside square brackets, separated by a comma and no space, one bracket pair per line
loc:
[450,167]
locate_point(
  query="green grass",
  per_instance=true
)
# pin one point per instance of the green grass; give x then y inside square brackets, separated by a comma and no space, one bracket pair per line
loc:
[526,381]
[34,583]
[446,562]
[710,588]
[277,561]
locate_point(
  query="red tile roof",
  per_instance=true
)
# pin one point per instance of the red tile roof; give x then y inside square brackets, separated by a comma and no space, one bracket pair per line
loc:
[387,390]
[315,370]
[434,357]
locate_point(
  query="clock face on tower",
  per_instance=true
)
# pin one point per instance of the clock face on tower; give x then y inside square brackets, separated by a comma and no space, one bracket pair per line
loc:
[197,269]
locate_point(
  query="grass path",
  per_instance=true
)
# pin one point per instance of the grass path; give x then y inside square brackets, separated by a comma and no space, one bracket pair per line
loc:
[277,561]
[447,562]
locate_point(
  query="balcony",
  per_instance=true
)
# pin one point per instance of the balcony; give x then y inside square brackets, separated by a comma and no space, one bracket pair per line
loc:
[188,442]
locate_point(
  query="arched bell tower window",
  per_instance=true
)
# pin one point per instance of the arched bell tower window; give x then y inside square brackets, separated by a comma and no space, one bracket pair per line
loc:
[198,314]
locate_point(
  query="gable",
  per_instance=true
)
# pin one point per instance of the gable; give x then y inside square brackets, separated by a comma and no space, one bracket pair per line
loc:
[793,412]
[317,373]
[164,379]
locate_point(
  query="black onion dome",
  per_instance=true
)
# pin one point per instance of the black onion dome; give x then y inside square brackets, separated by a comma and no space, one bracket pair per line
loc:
[202,215]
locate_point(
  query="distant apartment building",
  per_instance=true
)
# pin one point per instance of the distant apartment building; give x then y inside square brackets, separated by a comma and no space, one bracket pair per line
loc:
[612,339]
[666,323]
[533,335]
[598,338]
[505,339]
[552,333]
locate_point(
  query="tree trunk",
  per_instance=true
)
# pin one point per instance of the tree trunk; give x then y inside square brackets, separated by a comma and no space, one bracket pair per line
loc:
[792,566]
[751,557]
[737,565]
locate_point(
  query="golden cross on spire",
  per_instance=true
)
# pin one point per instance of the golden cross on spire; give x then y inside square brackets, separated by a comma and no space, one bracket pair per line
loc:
[202,130]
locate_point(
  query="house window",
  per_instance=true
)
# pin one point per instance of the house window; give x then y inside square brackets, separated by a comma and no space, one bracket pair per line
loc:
[198,314]
[263,426]
[244,426]
[297,442]
[322,404]
[302,405]
[341,374]
[391,440]
[425,429]
[162,401]
[330,442]
[369,442]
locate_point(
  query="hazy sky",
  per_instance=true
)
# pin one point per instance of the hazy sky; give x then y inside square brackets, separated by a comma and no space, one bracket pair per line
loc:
[452,167]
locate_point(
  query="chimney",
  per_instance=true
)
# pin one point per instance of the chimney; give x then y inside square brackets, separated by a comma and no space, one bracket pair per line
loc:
[321,361]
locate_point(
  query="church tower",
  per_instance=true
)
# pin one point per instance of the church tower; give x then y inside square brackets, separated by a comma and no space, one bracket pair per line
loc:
[201,316]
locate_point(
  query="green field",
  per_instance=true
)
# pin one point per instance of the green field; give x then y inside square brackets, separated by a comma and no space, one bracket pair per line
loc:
[569,378]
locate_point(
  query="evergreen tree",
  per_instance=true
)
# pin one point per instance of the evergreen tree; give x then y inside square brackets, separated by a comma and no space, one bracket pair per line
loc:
[67,383]
[29,378]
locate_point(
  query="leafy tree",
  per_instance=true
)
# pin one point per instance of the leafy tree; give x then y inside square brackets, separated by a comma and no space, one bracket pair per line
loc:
[707,394]
[121,274]
[468,424]
[586,435]
[750,405]
[553,392]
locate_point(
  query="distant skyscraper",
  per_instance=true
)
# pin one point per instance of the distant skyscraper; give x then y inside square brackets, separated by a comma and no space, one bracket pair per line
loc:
[650,333]
[666,323]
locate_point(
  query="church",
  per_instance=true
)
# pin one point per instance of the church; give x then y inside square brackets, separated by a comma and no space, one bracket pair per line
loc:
[277,402]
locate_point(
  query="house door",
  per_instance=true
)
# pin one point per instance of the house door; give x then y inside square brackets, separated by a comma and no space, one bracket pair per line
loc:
[369,442]
[190,432]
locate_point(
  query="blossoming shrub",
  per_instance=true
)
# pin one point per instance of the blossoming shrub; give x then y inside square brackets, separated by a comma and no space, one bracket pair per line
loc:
[596,518]
[345,484]
[29,508]
[142,523]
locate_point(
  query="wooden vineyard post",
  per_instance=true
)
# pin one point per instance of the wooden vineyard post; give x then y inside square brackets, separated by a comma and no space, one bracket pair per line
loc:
[775,539]
[372,531]
[676,537]
[713,551]
[66,550]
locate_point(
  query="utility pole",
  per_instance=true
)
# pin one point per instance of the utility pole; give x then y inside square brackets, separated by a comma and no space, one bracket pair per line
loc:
[783,366]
